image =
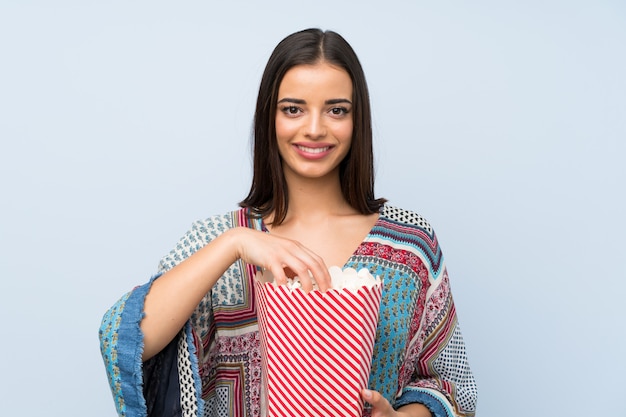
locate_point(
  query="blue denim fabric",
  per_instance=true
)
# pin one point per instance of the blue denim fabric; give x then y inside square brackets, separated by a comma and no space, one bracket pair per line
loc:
[422,396]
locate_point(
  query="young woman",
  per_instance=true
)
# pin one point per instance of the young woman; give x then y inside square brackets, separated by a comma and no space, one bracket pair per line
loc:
[187,343]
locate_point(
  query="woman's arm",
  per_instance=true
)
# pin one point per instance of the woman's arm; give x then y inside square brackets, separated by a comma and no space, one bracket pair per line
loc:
[174,296]
[441,377]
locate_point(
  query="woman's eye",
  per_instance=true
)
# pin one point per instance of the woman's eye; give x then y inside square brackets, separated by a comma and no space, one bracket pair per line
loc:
[339,111]
[290,110]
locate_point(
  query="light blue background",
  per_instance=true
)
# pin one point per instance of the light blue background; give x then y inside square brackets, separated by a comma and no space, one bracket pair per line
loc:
[501,122]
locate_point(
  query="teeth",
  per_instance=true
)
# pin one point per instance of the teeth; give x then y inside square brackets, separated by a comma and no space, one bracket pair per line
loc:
[313,150]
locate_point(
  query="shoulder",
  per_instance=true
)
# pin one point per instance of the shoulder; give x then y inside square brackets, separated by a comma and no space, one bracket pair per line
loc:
[200,234]
[213,226]
[409,231]
[406,219]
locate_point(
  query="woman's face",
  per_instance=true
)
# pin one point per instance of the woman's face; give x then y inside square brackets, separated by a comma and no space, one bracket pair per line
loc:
[314,120]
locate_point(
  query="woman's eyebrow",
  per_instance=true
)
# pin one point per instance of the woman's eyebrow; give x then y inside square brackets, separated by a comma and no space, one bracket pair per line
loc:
[338,101]
[300,101]
[292,100]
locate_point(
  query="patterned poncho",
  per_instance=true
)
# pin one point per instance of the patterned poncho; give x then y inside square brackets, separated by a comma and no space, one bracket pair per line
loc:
[213,367]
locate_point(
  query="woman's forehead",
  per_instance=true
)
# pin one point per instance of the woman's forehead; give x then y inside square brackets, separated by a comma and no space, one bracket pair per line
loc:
[316,79]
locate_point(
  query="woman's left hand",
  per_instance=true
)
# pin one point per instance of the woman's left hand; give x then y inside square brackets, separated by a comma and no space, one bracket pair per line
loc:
[380,405]
[382,408]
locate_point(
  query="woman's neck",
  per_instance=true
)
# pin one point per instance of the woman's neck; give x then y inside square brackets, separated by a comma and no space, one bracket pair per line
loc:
[316,198]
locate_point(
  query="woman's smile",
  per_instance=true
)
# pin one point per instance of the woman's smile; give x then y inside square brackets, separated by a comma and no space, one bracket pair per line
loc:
[313,152]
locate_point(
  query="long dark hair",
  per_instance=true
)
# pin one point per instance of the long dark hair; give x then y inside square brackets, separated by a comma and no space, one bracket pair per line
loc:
[268,192]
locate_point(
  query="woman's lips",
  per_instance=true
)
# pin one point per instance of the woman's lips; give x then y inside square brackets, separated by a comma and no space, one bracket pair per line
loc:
[310,152]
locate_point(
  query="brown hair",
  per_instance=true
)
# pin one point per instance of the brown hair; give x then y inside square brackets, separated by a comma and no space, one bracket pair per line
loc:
[268,192]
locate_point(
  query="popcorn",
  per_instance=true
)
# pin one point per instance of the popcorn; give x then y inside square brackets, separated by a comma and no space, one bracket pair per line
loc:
[346,279]
[350,279]
[316,347]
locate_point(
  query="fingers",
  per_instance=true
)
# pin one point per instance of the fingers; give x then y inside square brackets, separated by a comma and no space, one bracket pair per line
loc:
[284,258]
[311,268]
[295,260]
[380,405]
[370,396]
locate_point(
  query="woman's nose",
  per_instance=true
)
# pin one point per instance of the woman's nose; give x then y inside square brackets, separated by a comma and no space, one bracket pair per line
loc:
[315,127]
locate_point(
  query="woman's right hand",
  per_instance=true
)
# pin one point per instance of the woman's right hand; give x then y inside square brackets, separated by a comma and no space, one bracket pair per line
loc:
[284,258]
[175,295]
